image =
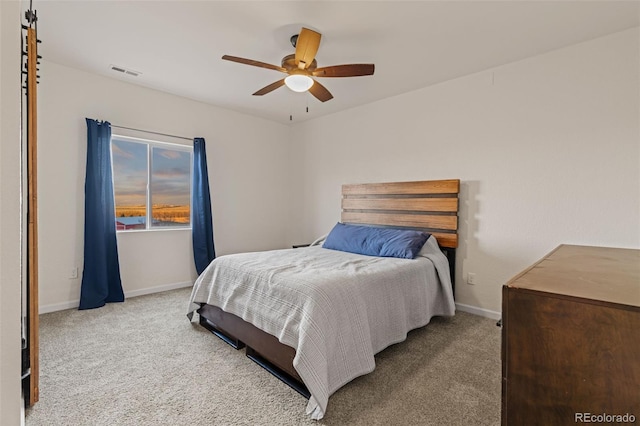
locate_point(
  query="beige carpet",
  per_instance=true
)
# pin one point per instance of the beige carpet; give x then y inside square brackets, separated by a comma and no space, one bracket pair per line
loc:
[143,363]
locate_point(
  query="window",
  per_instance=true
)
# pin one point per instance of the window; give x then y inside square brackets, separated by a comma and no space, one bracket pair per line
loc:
[152,184]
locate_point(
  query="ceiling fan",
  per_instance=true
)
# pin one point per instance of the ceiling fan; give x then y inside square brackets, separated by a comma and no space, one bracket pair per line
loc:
[302,66]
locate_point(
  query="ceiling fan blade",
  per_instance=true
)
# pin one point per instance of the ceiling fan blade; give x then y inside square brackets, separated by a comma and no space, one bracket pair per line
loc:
[253,63]
[320,92]
[307,47]
[348,70]
[269,88]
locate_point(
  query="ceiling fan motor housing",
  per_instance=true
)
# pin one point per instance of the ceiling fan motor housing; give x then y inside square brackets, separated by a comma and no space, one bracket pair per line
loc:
[289,63]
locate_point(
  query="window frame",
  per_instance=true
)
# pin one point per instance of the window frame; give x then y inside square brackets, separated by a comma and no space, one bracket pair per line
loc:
[150,143]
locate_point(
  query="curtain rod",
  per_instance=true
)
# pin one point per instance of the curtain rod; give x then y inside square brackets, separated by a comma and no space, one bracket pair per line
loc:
[154,133]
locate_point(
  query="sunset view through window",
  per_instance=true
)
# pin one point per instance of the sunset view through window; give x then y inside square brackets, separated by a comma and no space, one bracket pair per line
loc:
[165,170]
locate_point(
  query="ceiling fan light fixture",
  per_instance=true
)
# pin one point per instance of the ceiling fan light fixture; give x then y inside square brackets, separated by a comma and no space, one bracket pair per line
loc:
[298,82]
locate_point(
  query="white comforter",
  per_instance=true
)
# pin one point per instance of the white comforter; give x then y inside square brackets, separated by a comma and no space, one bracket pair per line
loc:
[336,309]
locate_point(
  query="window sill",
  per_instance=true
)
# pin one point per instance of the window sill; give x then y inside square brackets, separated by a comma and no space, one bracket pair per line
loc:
[138,231]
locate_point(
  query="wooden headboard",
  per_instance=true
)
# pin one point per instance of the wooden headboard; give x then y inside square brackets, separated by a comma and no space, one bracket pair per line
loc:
[430,205]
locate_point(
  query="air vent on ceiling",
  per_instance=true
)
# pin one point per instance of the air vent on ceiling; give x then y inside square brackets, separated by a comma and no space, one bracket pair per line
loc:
[125,70]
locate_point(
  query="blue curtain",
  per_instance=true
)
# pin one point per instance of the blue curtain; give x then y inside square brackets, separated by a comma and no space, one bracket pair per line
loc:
[202,227]
[101,273]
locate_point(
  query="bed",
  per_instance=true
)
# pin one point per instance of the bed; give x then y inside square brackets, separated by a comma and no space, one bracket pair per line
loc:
[314,317]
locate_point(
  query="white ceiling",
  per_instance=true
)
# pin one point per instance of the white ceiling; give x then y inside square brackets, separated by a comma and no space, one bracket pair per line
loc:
[177,45]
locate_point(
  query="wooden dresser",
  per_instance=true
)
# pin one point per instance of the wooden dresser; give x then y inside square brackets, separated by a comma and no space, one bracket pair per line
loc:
[571,338]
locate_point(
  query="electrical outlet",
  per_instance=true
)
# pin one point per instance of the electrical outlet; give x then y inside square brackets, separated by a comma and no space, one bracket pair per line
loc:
[73,273]
[471,278]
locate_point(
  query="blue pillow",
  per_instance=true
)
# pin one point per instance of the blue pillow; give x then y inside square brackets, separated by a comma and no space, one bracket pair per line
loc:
[374,241]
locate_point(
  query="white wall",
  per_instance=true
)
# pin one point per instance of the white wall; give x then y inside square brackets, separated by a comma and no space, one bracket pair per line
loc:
[548,151]
[248,172]
[10,300]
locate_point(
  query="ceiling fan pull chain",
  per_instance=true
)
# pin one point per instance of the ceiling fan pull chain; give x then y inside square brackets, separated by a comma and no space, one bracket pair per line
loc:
[290,106]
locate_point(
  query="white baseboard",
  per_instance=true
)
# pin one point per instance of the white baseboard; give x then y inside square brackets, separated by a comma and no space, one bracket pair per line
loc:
[158,289]
[55,307]
[479,311]
[45,309]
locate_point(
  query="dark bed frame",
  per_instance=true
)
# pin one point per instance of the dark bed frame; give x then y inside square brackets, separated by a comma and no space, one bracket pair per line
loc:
[431,206]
